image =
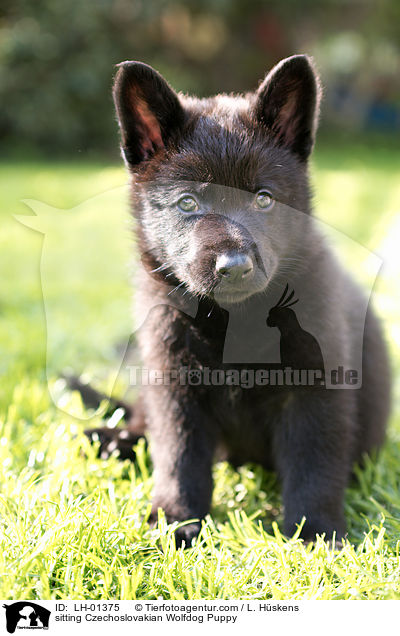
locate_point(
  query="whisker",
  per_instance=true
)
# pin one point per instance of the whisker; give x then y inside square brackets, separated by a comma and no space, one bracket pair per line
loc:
[291,269]
[175,289]
[295,259]
[159,269]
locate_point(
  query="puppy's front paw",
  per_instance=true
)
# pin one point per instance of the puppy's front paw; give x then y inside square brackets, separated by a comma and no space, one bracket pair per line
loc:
[185,535]
[313,527]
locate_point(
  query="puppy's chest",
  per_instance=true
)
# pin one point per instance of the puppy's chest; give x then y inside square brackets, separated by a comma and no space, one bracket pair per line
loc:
[247,420]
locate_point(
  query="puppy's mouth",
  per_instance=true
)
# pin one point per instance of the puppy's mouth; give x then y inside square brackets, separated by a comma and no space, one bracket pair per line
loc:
[229,296]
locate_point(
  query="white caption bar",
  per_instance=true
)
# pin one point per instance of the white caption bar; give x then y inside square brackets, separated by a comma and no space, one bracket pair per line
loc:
[149,617]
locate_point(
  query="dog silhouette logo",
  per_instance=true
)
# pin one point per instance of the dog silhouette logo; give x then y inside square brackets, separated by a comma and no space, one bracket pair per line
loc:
[26,615]
[299,349]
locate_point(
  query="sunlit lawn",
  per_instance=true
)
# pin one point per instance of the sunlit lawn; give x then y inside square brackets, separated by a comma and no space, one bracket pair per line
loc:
[74,526]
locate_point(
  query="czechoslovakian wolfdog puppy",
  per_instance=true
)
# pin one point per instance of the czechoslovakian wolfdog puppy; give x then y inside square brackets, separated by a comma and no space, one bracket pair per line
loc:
[221,196]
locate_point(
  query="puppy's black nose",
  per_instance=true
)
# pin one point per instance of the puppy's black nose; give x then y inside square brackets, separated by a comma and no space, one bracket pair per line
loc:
[234,266]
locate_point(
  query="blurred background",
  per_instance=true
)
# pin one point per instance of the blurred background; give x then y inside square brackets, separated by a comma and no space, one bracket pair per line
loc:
[57,58]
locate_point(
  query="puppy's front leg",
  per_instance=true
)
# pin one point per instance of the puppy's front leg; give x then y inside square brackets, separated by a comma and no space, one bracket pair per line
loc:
[313,450]
[182,444]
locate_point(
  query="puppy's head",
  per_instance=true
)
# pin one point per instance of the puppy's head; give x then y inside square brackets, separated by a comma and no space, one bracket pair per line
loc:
[214,178]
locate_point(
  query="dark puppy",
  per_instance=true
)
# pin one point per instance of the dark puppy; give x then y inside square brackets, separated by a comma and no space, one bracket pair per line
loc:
[222,202]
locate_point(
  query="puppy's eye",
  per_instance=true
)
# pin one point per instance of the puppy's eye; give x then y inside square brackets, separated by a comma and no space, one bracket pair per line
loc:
[188,204]
[264,200]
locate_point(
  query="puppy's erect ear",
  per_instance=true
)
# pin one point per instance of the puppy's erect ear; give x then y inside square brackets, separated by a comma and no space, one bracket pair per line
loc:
[288,104]
[148,111]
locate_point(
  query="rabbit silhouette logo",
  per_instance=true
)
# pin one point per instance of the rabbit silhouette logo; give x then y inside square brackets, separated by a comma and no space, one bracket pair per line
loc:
[26,615]
[299,349]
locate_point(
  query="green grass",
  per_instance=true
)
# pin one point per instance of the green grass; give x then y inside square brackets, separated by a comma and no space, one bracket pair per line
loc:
[74,526]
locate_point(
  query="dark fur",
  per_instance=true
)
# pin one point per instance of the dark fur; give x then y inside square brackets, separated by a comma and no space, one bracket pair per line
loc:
[311,436]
